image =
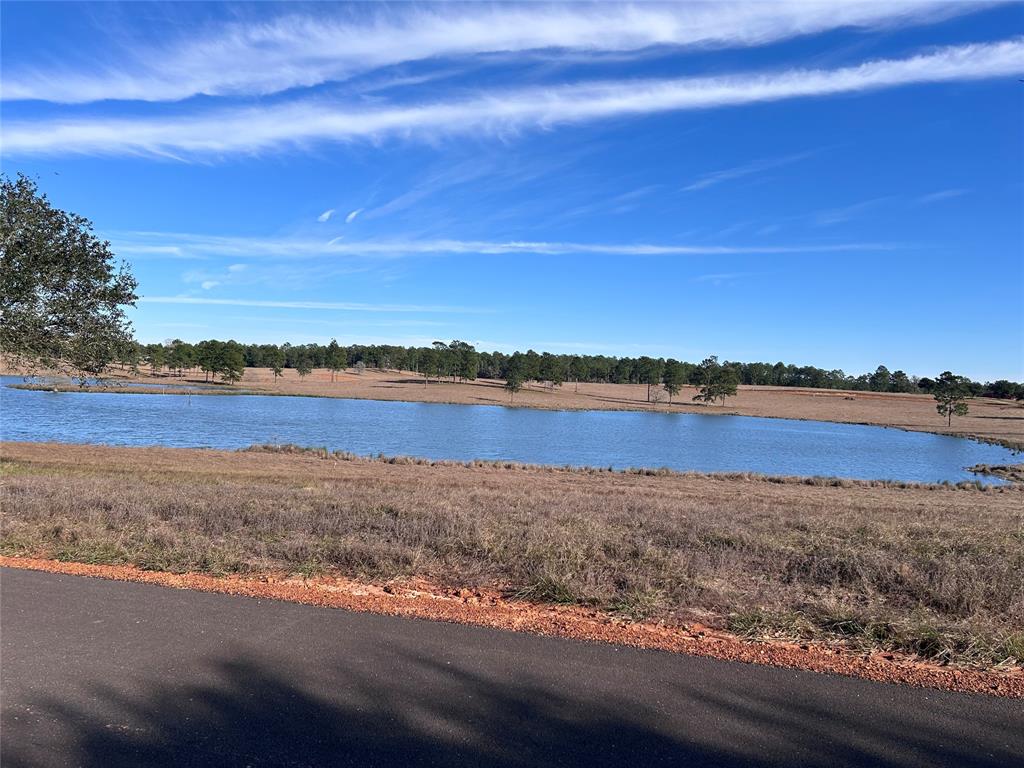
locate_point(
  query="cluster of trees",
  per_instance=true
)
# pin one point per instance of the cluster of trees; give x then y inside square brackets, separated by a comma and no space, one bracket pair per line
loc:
[460,361]
[214,358]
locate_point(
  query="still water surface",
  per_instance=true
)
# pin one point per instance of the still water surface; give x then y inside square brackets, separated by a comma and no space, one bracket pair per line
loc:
[704,443]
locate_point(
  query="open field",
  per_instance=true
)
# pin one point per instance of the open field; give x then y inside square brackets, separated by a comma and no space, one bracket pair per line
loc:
[999,421]
[929,570]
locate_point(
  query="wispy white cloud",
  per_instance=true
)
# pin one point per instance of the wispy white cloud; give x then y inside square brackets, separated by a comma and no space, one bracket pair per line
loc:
[208,284]
[298,50]
[580,347]
[179,325]
[342,306]
[287,247]
[944,194]
[442,179]
[832,216]
[325,216]
[352,216]
[372,321]
[740,171]
[300,123]
[719,278]
[156,251]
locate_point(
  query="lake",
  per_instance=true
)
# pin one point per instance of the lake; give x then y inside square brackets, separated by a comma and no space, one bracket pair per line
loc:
[703,443]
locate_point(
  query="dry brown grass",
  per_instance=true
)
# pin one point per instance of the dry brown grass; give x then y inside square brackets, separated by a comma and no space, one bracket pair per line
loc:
[936,571]
[989,419]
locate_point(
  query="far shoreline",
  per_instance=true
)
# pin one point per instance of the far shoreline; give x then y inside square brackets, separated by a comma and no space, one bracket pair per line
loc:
[910,413]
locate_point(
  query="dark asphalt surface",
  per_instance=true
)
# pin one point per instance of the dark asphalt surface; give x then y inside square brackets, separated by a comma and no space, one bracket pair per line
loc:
[102,673]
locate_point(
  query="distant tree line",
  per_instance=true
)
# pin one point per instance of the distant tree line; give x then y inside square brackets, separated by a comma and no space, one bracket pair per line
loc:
[460,361]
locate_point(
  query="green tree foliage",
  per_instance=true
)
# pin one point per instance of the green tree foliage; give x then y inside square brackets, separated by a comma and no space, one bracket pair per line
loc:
[880,380]
[206,357]
[900,382]
[430,364]
[715,381]
[650,372]
[465,359]
[231,362]
[552,369]
[951,393]
[336,358]
[221,358]
[62,297]
[1004,390]
[180,356]
[530,369]
[304,365]
[155,357]
[673,376]
[276,363]
[577,370]
[460,360]
[513,384]
[514,376]
[129,356]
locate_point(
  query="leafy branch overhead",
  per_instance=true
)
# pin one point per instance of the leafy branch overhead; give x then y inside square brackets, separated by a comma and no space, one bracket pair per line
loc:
[62,297]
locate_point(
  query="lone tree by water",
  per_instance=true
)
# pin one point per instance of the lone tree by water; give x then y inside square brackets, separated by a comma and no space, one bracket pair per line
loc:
[951,393]
[672,377]
[62,296]
[513,384]
[650,373]
[277,362]
[715,381]
[337,358]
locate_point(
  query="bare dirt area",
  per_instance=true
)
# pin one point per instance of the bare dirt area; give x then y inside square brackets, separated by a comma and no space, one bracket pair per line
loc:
[989,419]
[931,572]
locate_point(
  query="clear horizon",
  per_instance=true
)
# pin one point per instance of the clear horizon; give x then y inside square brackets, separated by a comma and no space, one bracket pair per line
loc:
[829,185]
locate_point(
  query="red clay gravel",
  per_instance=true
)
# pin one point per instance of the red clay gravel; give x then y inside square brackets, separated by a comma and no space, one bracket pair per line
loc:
[490,609]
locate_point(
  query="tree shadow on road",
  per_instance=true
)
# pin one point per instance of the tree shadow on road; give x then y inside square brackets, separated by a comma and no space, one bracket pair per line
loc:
[246,715]
[238,711]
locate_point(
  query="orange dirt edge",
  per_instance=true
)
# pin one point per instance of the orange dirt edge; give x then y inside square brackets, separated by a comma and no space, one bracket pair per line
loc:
[489,609]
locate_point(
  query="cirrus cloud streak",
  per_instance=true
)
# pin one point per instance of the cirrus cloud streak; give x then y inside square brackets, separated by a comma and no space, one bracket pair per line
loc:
[202,246]
[343,306]
[311,121]
[297,50]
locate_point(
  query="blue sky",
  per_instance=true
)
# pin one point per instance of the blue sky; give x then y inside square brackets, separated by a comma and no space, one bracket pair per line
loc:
[833,184]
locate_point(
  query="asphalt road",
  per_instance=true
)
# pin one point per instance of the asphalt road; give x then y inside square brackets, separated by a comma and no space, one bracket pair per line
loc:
[102,673]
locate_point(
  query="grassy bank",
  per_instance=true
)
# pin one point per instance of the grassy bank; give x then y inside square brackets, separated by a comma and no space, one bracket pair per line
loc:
[128,389]
[937,571]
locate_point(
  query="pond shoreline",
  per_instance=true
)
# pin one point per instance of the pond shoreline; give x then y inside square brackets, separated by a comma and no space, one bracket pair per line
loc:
[1016,445]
